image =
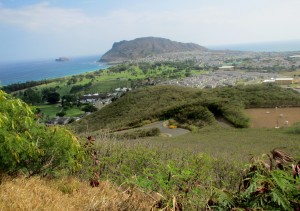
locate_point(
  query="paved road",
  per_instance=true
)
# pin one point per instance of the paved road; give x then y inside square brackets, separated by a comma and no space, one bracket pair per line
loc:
[166,130]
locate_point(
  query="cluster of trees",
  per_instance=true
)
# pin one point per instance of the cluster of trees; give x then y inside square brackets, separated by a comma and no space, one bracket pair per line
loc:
[79,88]
[34,97]
[166,69]
[20,86]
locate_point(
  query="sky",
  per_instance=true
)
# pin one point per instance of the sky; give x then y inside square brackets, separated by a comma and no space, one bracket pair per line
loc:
[32,29]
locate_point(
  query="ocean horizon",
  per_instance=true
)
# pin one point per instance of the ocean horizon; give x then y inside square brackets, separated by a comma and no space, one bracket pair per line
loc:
[278,46]
[35,70]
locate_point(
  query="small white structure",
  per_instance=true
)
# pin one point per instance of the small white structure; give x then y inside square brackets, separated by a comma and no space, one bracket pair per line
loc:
[269,81]
[281,81]
[226,67]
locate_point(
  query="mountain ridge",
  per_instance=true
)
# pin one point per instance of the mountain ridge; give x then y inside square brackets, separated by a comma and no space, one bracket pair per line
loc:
[146,46]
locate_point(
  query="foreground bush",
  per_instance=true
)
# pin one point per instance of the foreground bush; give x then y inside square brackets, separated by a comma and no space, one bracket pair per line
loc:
[29,147]
[267,184]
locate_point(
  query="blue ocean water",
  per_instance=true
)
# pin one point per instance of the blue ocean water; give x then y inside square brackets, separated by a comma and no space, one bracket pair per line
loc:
[14,72]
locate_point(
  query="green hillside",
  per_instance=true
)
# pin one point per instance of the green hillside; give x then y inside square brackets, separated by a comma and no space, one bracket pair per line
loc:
[188,106]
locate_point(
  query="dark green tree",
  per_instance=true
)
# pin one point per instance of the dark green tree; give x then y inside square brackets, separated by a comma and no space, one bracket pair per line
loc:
[89,108]
[53,97]
[61,113]
[69,99]
[31,97]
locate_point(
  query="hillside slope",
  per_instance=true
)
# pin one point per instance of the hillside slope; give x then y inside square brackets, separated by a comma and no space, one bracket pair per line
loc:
[146,46]
[186,105]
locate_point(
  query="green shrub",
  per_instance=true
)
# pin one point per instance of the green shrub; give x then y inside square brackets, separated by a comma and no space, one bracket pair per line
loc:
[30,147]
[235,115]
[89,108]
[190,114]
[61,113]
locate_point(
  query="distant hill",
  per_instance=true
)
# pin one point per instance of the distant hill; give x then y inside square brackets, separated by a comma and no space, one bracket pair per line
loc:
[146,46]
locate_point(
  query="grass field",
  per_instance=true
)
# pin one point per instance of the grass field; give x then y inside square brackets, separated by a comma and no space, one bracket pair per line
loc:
[49,110]
[52,110]
[231,144]
[273,117]
[73,112]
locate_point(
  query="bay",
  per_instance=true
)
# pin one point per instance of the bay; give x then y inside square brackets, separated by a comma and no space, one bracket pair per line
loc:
[19,72]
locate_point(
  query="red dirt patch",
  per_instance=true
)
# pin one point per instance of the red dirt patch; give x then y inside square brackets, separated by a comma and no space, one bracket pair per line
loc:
[272,117]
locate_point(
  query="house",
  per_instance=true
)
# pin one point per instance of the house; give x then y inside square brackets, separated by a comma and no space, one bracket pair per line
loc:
[90,98]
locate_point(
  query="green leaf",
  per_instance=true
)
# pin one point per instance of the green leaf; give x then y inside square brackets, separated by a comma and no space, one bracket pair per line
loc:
[280,199]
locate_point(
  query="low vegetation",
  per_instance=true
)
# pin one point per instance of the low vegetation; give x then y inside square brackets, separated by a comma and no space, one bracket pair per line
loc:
[138,133]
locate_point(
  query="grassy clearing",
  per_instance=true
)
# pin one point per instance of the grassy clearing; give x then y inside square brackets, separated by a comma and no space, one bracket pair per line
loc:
[74,112]
[52,110]
[107,86]
[49,110]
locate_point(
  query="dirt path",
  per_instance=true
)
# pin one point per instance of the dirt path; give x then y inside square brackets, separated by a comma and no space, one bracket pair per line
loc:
[223,122]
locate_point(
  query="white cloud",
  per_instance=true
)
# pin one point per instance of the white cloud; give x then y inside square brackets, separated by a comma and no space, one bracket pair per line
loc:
[42,16]
[76,30]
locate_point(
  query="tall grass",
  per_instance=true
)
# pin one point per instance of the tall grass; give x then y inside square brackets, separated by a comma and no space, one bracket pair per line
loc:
[70,194]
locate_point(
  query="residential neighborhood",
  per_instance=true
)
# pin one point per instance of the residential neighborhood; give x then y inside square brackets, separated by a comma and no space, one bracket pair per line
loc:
[221,78]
